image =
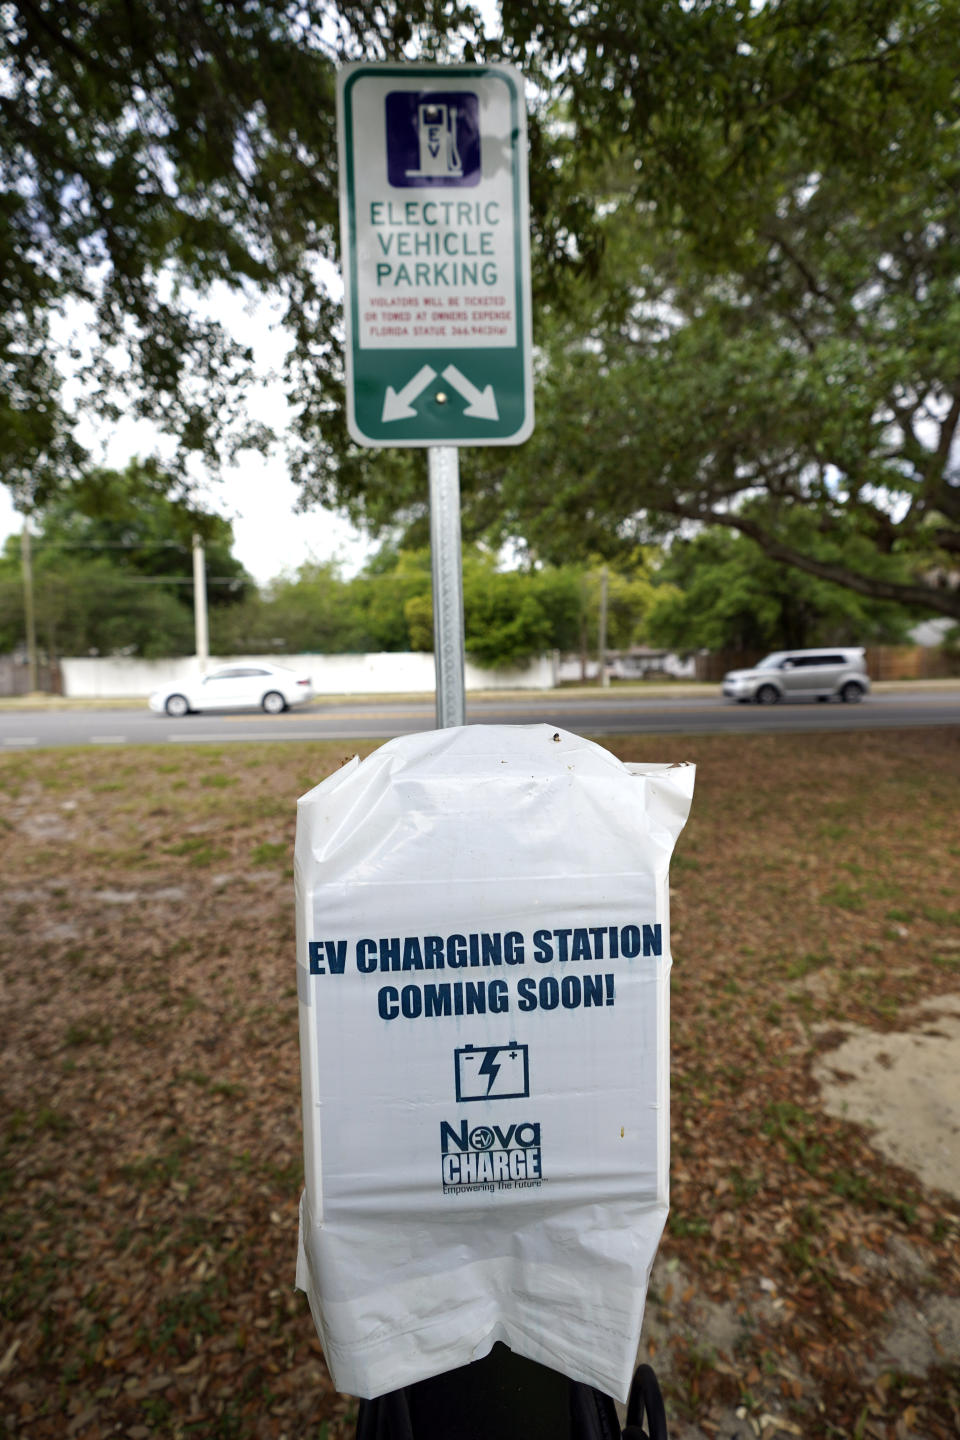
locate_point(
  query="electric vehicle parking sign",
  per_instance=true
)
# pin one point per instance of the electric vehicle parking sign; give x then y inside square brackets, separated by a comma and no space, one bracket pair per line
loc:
[434,233]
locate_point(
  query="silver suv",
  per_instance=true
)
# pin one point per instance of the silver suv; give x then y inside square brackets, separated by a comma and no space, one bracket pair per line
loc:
[801,675]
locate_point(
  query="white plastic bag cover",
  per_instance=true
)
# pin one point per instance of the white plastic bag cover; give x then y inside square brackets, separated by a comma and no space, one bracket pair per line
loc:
[483,957]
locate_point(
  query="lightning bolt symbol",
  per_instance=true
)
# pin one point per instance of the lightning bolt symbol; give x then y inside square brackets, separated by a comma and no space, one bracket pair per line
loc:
[490,1066]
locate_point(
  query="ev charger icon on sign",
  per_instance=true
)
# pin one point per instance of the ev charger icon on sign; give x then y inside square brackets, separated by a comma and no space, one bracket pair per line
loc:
[492,1072]
[433,140]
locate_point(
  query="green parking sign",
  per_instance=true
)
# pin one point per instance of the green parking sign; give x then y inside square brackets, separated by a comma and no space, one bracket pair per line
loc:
[435,240]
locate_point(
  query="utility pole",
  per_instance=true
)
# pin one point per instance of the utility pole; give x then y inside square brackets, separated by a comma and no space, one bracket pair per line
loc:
[28,612]
[602,642]
[200,605]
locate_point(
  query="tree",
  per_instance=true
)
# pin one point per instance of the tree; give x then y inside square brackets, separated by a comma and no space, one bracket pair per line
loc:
[722,593]
[746,249]
[509,616]
[89,606]
[387,592]
[317,610]
[630,593]
[152,151]
[750,242]
[786,178]
[310,611]
[113,567]
[136,519]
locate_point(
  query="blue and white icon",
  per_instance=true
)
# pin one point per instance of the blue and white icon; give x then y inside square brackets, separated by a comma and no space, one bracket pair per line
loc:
[433,139]
[492,1072]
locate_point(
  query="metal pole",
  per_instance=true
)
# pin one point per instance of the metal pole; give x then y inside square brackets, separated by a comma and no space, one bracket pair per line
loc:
[29,620]
[200,605]
[446,560]
[602,645]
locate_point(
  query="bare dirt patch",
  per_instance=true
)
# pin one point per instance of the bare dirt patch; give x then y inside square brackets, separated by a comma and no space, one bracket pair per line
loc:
[149,1080]
[904,1089]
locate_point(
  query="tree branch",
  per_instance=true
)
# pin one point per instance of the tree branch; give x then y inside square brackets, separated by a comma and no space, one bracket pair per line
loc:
[945,599]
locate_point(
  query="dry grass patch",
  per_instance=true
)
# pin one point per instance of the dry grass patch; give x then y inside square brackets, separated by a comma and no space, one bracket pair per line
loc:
[150,1084]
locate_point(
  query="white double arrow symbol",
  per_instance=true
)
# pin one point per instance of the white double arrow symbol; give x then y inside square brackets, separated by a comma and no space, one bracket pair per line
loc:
[398,404]
[481,404]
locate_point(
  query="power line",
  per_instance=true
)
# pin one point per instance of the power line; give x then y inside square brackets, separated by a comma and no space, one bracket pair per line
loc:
[178,579]
[41,544]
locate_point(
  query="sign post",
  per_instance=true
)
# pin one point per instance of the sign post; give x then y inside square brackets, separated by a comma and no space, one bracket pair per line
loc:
[433,209]
[443,463]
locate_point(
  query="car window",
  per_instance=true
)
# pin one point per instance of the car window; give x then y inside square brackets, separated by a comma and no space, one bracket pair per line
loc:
[771,662]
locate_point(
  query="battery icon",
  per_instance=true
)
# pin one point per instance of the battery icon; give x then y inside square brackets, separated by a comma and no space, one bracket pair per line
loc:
[492,1072]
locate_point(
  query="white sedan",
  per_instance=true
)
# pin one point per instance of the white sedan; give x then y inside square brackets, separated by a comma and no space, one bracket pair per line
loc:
[258,686]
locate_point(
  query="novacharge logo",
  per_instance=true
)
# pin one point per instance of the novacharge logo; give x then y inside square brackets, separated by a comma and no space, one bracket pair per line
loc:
[490,1157]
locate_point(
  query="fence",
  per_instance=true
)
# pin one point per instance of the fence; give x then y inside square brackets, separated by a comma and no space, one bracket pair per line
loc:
[884,662]
[15,676]
[911,662]
[713,665]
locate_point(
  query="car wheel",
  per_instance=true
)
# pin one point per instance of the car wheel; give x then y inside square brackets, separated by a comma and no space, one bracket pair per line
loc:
[273,702]
[767,695]
[851,693]
[177,706]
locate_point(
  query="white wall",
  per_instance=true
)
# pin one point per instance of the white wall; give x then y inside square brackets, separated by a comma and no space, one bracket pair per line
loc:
[675,667]
[384,674]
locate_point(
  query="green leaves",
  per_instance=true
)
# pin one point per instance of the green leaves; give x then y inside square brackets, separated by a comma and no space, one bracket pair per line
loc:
[746,241]
[509,615]
[724,594]
[149,151]
[775,309]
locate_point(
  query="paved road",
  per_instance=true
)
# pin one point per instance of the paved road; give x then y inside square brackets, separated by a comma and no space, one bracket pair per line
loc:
[383,718]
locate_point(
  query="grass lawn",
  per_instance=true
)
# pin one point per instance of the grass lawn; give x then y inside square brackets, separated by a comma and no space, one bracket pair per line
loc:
[151,1153]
